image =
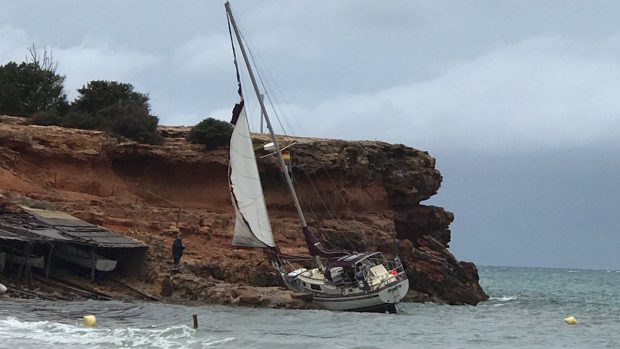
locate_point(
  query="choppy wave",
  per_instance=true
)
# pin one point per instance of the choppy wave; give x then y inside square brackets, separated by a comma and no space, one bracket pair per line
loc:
[504,298]
[68,335]
[527,310]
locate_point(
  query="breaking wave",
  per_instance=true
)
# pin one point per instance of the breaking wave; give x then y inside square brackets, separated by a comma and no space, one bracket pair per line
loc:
[504,298]
[49,333]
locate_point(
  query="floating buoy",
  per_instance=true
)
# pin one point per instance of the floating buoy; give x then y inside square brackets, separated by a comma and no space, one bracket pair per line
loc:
[570,320]
[90,321]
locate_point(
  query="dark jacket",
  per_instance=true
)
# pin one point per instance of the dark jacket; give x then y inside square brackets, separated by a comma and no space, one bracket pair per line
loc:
[177,248]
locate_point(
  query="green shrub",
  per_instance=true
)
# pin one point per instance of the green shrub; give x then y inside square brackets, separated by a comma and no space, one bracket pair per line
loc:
[211,132]
[32,86]
[10,94]
[79,119]
[115,107]
[46,119]
[130,120]
[34,89]
[42,90]
[100,94]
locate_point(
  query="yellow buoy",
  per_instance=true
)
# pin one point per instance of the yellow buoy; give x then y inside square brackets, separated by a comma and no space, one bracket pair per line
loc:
[90,321]
[570,320]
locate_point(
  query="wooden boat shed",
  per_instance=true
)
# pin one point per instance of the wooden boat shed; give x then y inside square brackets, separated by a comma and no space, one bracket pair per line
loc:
[44,230]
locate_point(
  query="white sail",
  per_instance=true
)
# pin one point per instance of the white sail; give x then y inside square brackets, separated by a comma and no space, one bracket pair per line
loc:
[252,227]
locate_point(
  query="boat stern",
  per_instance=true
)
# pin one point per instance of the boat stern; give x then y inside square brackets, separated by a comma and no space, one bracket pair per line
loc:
[394,293]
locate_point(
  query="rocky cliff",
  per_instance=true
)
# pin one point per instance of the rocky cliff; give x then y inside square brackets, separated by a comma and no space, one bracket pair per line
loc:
[361,195]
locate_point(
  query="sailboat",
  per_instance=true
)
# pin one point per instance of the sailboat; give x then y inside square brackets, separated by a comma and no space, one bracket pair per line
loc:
[337,279]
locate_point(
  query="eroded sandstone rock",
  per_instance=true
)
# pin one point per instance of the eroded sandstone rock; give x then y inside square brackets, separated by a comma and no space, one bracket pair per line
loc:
[360,195]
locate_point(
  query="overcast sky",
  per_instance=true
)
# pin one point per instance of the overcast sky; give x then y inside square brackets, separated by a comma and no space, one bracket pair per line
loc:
[519,101]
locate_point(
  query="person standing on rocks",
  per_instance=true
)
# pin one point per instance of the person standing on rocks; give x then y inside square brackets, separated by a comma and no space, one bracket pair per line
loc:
[177,250]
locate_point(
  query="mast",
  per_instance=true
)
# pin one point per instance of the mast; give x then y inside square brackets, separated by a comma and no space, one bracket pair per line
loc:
[262,96]
[291,188]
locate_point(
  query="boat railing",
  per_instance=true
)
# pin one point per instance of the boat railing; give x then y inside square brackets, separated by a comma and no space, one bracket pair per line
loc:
[281,266]
[395,272]
[392,266]
[395,266]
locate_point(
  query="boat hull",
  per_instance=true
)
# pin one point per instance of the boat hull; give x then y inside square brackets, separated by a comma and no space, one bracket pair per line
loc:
[381,300]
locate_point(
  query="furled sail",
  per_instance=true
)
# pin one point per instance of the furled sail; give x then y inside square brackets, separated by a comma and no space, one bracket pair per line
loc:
[252,227]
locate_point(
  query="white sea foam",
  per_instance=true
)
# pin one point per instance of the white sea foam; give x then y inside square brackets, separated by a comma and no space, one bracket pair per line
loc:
[59,334]
[504,298]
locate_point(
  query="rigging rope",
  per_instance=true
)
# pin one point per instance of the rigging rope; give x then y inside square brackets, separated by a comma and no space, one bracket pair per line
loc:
[232,44]
[260,78]
[330,215]
[270,84]
[276,114]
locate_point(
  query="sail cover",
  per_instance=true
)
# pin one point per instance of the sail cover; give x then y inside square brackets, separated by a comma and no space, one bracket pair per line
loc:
[252,227]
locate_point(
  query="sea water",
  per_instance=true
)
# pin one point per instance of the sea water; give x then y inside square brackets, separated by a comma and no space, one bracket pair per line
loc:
[526,310]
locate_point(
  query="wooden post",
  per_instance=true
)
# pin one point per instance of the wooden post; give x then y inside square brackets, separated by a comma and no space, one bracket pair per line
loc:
[195,317]
[49,262]
[93,263]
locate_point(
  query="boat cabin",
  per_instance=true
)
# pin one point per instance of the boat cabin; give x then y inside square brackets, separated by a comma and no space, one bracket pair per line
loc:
[355,268]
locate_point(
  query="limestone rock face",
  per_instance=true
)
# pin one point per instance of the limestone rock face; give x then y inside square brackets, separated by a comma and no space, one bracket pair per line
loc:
[361,195]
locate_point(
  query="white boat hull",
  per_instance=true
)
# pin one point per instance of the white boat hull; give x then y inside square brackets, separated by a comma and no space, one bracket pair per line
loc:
[379,300]
[380,291]
[82,258]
